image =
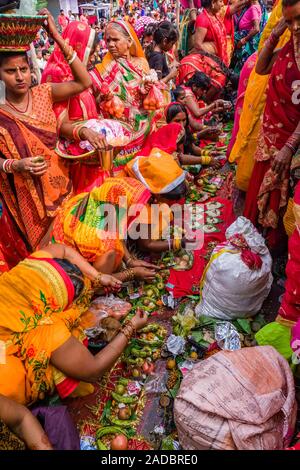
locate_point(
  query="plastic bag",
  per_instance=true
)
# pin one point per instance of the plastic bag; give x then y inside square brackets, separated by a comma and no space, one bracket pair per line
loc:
[154,100]
[114,107]
[110,306]
[176,345]
[113,131]
[227,336]
[231,289]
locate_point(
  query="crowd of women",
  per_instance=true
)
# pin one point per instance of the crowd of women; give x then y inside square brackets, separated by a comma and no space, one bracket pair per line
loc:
[57,137]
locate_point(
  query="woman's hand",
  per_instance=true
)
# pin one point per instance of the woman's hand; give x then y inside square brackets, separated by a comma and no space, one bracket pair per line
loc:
[144,273]
[139,320]
[211,133]
[173,72]
[97,140]
[282,161]
[280,28]
[49,23]
[215,163]
[110,282]
[241,43]
[138,263]
[36,166]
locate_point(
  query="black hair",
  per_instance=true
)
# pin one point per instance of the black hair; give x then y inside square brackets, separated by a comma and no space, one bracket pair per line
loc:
[45,52]
[172,111]
[206,3]
[7,55]
[165,30]
[74,274]
[199,80]
[177,92]
[176,193]
[289,3]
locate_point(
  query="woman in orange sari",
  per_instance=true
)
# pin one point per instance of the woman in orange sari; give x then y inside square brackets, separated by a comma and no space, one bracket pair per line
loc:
[43,300]
[33,181]
[280,133]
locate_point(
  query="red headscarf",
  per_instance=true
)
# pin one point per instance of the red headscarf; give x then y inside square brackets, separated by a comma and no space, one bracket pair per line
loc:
[166,138]
[81,37]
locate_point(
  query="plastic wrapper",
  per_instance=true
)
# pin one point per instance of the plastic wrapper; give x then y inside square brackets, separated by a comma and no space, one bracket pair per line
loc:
[154,100]
[155,385]
[169,301]
[88,443]
[227,336]
[112,130]
[175,345]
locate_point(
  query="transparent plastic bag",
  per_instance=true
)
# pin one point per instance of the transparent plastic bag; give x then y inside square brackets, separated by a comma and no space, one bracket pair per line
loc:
[114,107]
[227,336]
[110,306]
[154,100]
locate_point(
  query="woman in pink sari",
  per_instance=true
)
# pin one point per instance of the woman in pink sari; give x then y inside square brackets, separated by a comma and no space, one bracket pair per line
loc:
[85,174]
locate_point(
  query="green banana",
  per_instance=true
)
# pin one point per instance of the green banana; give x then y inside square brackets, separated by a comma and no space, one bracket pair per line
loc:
[123,399]
[126,423]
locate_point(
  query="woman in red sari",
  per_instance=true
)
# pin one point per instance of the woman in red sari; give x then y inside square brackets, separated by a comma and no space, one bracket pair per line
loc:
[82,107]
[210,35]
[280,134]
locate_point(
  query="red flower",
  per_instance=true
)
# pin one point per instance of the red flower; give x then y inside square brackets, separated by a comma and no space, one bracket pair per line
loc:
[31,351]
[52,304]
[36,308]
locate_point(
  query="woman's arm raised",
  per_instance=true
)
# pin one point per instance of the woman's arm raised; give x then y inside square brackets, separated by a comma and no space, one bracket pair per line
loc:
[82,80]
[268,54]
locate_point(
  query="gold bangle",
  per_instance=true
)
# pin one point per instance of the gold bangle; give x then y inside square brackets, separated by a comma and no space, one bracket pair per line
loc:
[206,160]
[176,244]
[130,274]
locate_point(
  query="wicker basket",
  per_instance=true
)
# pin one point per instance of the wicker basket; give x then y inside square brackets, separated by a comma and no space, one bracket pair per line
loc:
[18,32]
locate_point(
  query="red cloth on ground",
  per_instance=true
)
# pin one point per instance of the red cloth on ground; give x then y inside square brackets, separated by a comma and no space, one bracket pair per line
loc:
[181,283]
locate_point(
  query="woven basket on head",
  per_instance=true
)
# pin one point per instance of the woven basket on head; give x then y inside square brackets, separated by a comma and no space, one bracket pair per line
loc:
[17,32]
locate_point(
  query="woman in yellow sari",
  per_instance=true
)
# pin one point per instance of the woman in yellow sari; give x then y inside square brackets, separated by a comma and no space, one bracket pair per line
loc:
[42,300]
[254,102]
[98,224]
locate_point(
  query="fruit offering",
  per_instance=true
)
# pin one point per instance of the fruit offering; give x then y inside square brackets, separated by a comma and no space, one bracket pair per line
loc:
[114,107]
[154,99]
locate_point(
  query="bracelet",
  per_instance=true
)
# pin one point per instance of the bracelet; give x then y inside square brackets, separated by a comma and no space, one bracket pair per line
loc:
[76,132]
[291,147]
[73,58]
[169,243]
[206,160]
[96,283]
[176,244]
[128,260]
[8,166]
[272,41]
[128,330]
[129,274]
[68,54]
